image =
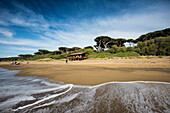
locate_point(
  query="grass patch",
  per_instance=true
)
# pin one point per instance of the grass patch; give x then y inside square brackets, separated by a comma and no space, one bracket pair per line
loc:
[160,57]
[126,54]
[101,54]
[104,54]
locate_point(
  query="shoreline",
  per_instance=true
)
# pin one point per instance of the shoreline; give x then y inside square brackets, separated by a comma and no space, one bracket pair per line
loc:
[105,83]
[97,71]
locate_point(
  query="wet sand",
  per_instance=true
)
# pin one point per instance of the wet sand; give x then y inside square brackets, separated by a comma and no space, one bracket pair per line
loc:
[97,71]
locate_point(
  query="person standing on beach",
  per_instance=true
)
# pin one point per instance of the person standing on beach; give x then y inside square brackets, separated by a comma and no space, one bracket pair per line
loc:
[15,62]
[66,61]
[12,63]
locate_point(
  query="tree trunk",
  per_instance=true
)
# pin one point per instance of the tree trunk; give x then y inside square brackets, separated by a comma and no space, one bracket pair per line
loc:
[106,44]
[99,46]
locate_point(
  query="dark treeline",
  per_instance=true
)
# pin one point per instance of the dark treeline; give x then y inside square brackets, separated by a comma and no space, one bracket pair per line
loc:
[153,35]
[153,43]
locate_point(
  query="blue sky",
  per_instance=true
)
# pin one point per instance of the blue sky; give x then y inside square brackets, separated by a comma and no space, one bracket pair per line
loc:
[29,25]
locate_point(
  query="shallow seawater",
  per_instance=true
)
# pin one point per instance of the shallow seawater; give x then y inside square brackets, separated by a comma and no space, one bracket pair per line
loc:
[40,95]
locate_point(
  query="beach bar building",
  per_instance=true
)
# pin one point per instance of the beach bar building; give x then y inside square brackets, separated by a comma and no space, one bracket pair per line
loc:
[77,56]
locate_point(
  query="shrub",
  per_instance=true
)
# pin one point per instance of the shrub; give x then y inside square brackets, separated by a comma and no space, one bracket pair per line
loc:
[130,49]
[160,57]
[121,49]
[126,54]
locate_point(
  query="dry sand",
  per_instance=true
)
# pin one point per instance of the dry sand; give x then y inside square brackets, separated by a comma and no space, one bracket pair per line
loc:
[97,71]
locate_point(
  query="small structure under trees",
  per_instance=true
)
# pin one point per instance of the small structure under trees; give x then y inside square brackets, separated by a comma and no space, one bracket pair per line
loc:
[77,56]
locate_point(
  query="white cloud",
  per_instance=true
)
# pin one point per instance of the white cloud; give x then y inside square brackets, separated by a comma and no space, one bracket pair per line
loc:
[125,26]
[3,23]
[81,33]
[46,44]
[6,32]
[23,48]
[137,22]
[22,22]
[24,18]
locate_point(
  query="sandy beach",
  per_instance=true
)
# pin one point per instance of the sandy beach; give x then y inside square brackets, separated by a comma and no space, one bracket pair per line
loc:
[97,71]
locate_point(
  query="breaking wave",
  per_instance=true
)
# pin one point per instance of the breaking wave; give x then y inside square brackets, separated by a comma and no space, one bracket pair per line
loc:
[36,94]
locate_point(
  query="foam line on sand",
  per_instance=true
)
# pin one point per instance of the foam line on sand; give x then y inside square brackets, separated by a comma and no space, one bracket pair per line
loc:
[52,96]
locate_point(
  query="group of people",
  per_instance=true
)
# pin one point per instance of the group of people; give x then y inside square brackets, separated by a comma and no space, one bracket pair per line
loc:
[15,63]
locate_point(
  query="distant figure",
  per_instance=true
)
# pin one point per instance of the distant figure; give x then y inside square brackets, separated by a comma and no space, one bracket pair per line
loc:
[66,61]
[12,63]
[15,62]
[27,62]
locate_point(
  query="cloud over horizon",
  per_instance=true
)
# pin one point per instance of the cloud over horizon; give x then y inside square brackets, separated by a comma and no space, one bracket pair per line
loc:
[43,24]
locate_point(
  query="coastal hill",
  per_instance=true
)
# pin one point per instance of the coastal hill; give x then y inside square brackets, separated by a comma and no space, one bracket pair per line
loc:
[155,43]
